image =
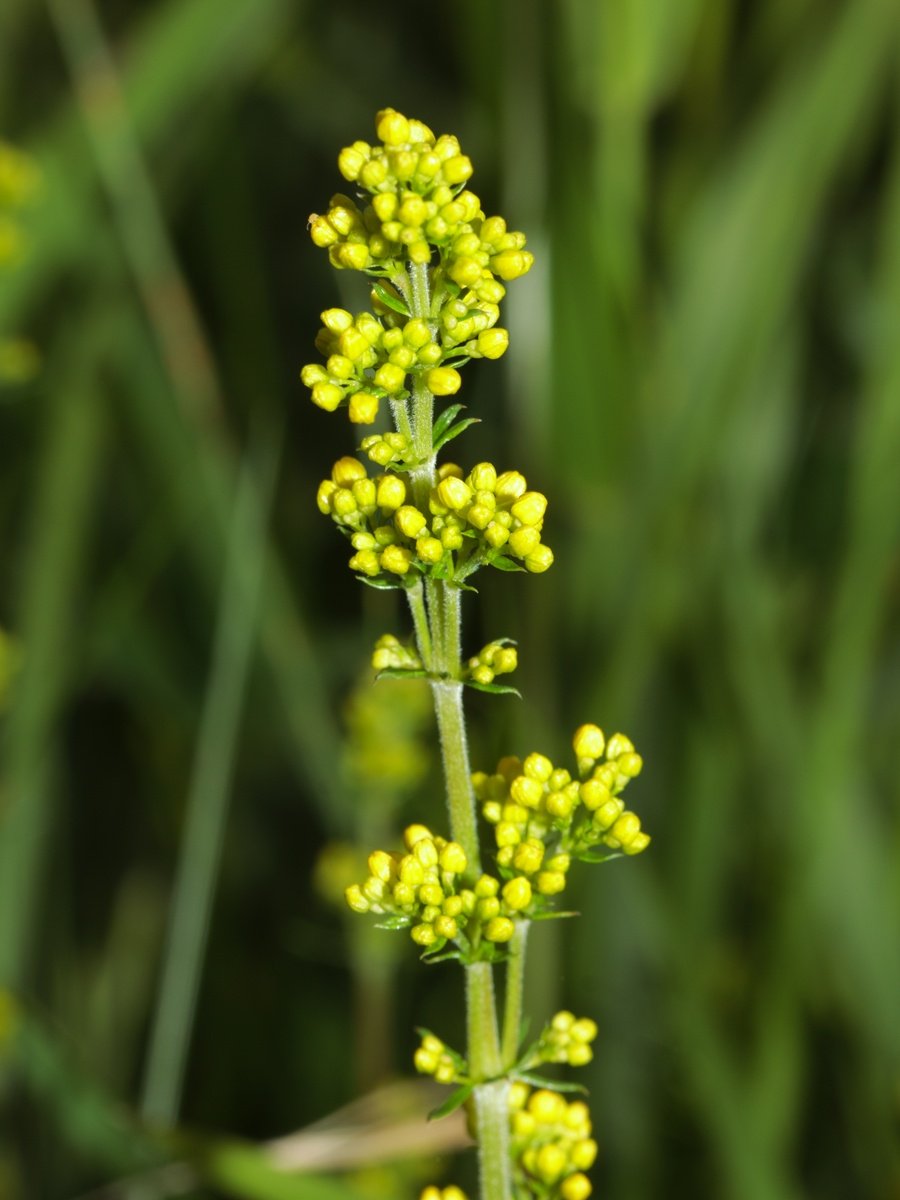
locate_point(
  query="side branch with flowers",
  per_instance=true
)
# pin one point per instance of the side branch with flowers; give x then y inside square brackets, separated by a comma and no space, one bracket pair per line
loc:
[439,268]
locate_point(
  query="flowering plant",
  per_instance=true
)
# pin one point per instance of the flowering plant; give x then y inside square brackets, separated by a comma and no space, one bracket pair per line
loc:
[439,267]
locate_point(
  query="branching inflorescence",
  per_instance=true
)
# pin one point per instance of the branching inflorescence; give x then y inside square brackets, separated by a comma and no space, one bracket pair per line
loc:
[439,268]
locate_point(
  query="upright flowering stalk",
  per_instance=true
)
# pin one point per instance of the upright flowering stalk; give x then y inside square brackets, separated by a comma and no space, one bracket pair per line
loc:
[439,268]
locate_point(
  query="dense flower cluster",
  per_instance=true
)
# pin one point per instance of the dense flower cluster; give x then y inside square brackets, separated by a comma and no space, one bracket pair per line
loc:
[543,817]
[496,658]
[391,654]
[551,1143]
[433,1057]
[566,1039]
[470,521]
[425,891]
[415,212]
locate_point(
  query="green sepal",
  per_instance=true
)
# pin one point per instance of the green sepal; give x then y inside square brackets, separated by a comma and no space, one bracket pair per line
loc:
[438,954]
[504,563]
[495,689]
[395,922]
[553,1085]
[402,673]
[454,1101]
[597,855]
[390,301]
[454,431]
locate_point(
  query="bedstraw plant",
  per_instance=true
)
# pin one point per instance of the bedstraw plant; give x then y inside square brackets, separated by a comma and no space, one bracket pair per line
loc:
[439,269]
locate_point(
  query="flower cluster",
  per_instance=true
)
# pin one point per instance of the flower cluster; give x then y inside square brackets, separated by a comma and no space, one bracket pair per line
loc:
[391,654]
[543,817]
[417,204]
[425,891]
[416,208]
[496,658]
[448,1193]
[471,521]
[566,1039]
[433,1057]
[551,1143]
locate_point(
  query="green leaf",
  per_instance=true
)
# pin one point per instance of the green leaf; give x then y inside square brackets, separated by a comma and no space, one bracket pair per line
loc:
[455,431]
[554,1085]
[445,420]
[385,585]
[495,689]
[598,854]
[389,299]
[452,1103]
[550,914]
[503,563]
[402,673]
[396,922]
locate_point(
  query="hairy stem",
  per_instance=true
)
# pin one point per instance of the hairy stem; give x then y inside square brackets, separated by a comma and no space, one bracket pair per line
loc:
[515,986]
[437,619]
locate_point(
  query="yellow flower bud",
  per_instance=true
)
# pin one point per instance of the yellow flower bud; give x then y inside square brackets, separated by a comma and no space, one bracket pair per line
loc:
[391,491]
[499,929]
[457,169]
[313,373]
[327,396]
[539,560]
[624,830]
[453,858]
[453,493]
[446,927]
[517,893]
[380,865]
[409,521]
[510,485]
[396,559]
[327,488]
[392,127]
[390,377]
[524,540]
[526,791]
[575,1187]
[510,264]
[423,935]
[496,535]
[322,231]
[366,562]
[551,1162]
[355,899]
[550,883]
[630,764]
[619,744]
[608,813]
[487,885]
[413,834]
[416,333]
[639,842]
[492,343]
[588,741]
[582,1155]
[429,550]
[538,766]
[530,508]
[337,320]
[483,477]
[443,381]
[347,470]
[465,271]
[385,205]
[528,856]
[350,162]
[363,408]
[352,255]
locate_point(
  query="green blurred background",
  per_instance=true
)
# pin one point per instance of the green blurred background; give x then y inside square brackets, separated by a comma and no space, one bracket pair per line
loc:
[704,376]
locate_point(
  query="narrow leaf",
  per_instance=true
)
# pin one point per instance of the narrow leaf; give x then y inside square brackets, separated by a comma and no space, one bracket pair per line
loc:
[503,563]
[495,689]
[385,585]
[455,431]
[402,673]
[554,1085]
[446,419]
[452,1103]
[598,854]
[390,299]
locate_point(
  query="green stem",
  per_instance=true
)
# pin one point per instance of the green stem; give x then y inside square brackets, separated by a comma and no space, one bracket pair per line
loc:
[491,1097]
[416,597]
[515,986]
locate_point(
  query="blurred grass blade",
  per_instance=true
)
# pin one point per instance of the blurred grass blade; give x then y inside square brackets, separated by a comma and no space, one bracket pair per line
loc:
[207,803]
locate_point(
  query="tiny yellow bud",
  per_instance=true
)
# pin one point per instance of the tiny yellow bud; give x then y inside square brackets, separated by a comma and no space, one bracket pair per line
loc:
[352,255]
[347,470]
[499,929]
[639,842]
[446,927]
[409,521]
[380,865]
[416,333]
[363,408]
[337,320]
[423,935]
[539,560]
[392,127]
[528,856]
[551,883]
[429,550]
[453,858]
[517,893]
[425,1061]
[355,899]
[510,264]
[396,559]
[526,791]
[583,1154]
[619,744]
[524,540]
[548,1107]
[327,488]
[538,766]
[390,377]
[575,1187]
[483,477]
[630,764]
[530,508]
[351,162]
[624,830]
[453,493]
[492,343]
[551,1162]
[391,491]
[443,381]
[457,169]
[366,562]
[322,231]
[510,485]
[487,885]
[327,396]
